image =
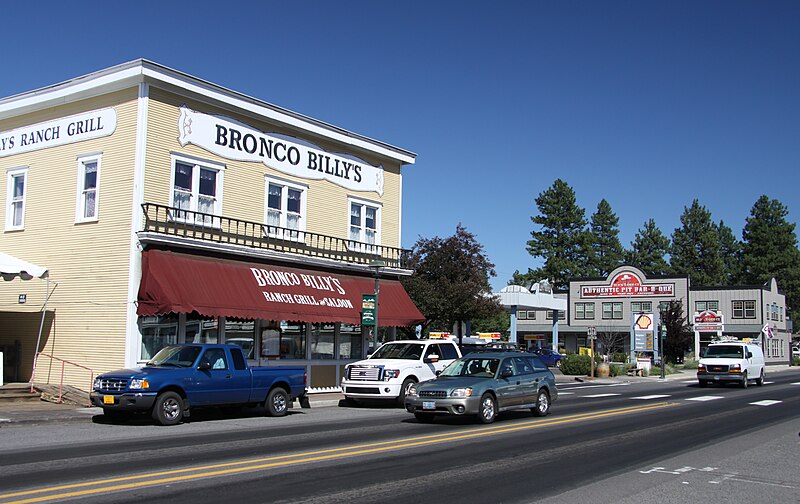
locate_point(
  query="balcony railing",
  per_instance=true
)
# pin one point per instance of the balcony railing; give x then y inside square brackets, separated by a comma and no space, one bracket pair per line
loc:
[202,226]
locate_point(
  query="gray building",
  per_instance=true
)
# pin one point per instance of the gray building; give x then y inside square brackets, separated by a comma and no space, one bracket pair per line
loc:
[623,310]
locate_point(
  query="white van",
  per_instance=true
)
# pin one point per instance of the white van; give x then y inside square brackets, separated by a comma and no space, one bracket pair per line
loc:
[731,361]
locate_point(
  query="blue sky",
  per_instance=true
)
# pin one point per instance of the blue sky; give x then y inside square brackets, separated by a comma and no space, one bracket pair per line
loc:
[646,104]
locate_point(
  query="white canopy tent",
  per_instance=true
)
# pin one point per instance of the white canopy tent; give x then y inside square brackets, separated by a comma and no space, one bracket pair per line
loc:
[11,268]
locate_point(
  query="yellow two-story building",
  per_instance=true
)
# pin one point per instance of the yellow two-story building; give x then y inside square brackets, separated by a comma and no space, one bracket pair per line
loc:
[168,209]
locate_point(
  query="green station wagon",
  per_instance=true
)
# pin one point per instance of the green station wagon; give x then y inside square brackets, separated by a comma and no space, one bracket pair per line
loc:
[483,385]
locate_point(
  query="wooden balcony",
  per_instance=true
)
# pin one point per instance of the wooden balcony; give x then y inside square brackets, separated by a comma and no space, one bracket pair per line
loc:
[173,221]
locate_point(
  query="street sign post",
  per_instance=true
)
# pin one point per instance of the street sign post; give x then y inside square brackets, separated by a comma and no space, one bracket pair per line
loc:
[591,333]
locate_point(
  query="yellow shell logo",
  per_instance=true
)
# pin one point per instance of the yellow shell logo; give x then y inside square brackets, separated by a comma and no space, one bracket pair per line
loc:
[644,322]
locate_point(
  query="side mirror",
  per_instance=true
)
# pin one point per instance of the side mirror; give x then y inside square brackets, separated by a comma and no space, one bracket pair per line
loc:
[749,354]
[506,373]
[204,366]
[438,372]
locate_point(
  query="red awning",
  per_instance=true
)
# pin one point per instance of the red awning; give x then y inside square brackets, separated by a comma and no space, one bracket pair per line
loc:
[181,283]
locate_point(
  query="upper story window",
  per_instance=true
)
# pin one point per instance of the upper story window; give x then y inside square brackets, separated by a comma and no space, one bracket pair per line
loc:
[612,311]
[16,189]
[549,315]
[197,188]
[702,306]
[584,311]
[285,210]
[364,225]
[531,315]
[744,309]
[522,315]
[641,306]
[88,183]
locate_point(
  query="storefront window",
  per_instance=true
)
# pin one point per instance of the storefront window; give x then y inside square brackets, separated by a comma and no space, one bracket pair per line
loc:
[157,332]
[322,336]
[242,334]
[270,339]
[200,330]
[351,342]
[293,340]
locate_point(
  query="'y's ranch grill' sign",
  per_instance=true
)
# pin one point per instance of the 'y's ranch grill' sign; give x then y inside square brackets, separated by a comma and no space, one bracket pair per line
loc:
[95,124]
[234,140]
[627,284]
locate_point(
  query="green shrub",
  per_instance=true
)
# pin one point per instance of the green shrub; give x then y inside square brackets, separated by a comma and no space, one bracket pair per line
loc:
[619,357]
[618,369]
[574,364]
[690,364]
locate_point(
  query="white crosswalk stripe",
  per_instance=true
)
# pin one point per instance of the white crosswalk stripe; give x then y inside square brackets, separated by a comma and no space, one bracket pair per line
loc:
[704,398]
[655,396]
[765,402]
[566,393]
[795,383]
[593,396]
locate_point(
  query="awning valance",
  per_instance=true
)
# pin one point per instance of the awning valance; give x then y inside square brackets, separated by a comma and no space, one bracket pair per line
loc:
[11,267]
[174,282]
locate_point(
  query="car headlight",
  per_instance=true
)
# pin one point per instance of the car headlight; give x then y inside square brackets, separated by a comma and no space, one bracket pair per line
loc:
[388,374]
[139,383]
[736,368]
[96,384]
[412,390]
[461,392]
[701,368]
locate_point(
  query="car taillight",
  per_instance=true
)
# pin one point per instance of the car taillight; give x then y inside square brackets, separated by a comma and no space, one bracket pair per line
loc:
[305,378]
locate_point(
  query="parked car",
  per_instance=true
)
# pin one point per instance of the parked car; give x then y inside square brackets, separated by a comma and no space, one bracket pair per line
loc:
[731,361]
[551,358]
[484,384]
[181,377]
[796,352]
[395,366]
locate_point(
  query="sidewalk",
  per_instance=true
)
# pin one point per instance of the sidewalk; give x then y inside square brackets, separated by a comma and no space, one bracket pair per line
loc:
[33,412]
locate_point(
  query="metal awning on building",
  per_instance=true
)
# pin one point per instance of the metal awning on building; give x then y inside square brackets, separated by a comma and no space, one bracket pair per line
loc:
[174,282]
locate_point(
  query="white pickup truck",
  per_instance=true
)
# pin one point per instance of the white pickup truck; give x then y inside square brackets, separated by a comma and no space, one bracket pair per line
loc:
[394,367]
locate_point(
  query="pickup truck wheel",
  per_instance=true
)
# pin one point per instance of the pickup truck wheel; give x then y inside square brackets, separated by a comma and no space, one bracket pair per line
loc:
[277,402]
[487,410]
[168,409]
[542,404]
[401,399]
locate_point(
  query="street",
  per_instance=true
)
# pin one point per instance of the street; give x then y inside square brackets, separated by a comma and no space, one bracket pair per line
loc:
[647,441]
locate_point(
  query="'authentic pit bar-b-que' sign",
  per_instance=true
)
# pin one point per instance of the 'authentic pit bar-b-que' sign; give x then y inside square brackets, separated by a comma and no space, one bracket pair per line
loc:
[627,284]
[66,130]
[231,139]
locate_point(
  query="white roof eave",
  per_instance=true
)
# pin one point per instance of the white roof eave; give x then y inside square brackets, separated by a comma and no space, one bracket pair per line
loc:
[132,73]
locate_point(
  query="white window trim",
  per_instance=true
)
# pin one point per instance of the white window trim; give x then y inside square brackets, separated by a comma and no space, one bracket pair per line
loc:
[270,179]
[361,246]
[79,200]
[201,163]
[10,174]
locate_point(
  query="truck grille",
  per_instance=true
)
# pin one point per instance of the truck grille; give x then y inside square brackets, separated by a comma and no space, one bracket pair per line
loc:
[717,369]
[114,384]
[365,373]
[361,390]
[436,394]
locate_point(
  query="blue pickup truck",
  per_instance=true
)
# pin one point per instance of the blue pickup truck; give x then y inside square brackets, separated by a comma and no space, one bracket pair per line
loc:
[181,377]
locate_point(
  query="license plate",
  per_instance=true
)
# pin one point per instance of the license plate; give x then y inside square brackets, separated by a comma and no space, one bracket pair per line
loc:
[108,399]
[716,378]
[429,405]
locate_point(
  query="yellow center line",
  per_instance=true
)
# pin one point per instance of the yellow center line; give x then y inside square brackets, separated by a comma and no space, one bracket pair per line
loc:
[229,468]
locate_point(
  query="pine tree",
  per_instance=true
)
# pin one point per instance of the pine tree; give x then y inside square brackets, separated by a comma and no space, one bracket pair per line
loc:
[769,249]
[696,248]
[562,239]
[731,252]
[648,249]
[605,249]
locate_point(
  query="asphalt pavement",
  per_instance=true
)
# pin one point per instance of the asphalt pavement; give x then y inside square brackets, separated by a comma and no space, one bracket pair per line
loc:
[33,412]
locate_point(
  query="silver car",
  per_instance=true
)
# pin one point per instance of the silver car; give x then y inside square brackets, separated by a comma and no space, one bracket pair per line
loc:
[483,385]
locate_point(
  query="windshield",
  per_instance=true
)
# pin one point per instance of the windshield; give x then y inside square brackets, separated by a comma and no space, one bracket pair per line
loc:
[724,351]
[176,356]
[472,366]
[410,351]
